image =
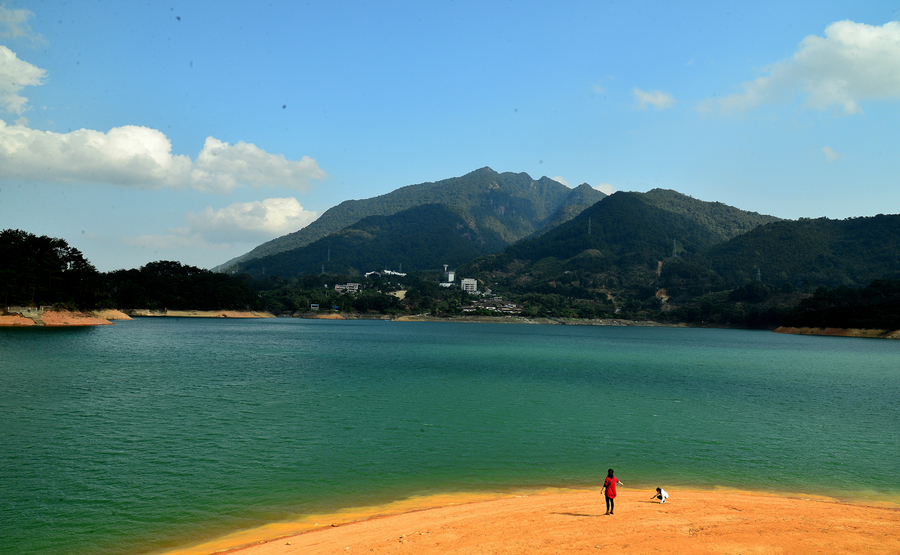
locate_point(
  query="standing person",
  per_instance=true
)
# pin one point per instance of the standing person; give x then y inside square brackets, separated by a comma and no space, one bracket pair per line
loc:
[661,494]
[609,490]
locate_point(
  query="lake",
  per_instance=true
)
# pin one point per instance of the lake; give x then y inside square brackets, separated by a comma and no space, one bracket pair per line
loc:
[158,433]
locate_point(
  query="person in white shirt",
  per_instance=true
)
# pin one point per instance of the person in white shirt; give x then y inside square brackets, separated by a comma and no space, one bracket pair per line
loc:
[661,494]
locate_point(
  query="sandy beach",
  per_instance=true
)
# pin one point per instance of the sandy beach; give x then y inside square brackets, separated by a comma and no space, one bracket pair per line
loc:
[720,522]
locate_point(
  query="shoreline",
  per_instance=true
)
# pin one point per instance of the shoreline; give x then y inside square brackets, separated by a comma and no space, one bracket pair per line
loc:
[841,332]
[147,313]
[573,521]
[40,317]
[25,317]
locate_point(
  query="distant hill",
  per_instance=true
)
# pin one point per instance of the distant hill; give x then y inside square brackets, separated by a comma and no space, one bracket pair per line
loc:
[818,251]
[664,253]
[722,220]
[419,238]
[508,205]
[641,228]
[578,200]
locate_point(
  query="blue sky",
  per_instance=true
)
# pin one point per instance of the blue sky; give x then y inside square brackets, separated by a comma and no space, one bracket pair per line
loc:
[194,131]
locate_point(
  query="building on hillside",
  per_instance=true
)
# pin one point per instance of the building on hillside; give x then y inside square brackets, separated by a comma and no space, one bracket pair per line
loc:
[449,277]
[495,304]
[347,288]
[469,285]
[380,273]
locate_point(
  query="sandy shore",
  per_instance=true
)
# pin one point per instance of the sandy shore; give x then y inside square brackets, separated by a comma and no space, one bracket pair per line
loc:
[720,522]
[55,318]
[198,313]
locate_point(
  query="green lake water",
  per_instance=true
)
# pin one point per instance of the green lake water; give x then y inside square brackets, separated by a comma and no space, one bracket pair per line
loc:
[154,434]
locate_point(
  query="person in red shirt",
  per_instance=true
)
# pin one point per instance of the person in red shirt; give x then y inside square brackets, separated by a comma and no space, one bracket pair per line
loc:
[609,489]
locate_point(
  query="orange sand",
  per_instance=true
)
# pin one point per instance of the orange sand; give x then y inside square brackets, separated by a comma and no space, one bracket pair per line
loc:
[67,318]
[15,320]
[720,522]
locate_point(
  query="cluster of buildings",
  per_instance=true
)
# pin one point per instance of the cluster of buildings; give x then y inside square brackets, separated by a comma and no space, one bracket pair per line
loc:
[494,304]
[468,285]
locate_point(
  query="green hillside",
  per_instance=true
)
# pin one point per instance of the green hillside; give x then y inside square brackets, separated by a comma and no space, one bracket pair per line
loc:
[722,220]
[510,205]
[419,238]
[641,228]
[819,252]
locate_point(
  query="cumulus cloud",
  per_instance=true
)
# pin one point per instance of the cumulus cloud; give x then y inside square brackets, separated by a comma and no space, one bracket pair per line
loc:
[14,25]
[130,155]
[605,188]
[222,166]
[658,99]
[141,157]
[830,155]
[246,221]
[559,179]
[852,63]
[243,222]
[14,75]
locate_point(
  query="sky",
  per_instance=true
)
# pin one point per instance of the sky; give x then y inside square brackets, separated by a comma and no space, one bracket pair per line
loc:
[194,131]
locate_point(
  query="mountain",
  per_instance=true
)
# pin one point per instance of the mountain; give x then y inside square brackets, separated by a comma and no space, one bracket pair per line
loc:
[819,251]
[642,228]
[419,238]
[510,205]
[667,254]
[579,199]
[610,257]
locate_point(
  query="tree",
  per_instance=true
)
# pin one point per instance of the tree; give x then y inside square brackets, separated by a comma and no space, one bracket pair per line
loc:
[44,270]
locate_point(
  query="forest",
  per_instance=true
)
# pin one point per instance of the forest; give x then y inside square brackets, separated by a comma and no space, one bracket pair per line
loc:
[611,273]
[46,271]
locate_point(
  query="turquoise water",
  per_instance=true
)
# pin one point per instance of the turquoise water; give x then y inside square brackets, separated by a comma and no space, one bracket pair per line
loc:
[159,433]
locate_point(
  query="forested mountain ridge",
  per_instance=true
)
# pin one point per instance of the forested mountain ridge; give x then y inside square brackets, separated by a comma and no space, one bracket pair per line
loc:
[826,252]
[643,227]
[722,220]
[664,254]
[419,238]
[512,205]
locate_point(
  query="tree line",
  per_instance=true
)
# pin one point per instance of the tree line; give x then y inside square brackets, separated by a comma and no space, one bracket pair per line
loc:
[40,270]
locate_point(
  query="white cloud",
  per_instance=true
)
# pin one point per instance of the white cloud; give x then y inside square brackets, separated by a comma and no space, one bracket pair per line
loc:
[852,63]
[221,166]
[251,221]
[830,154]
[599,89]
[14,25]
[141,157]
[244,222]
[130,155]
[606,188]
[658,99]
[559,179]
[14,75]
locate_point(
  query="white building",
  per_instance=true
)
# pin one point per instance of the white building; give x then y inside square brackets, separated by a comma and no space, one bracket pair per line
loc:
[469,285]
[347,288]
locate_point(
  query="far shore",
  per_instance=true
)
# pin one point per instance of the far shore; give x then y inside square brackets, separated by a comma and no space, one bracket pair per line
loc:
[23,317]
[841,332]
[50,317]
[574,521]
